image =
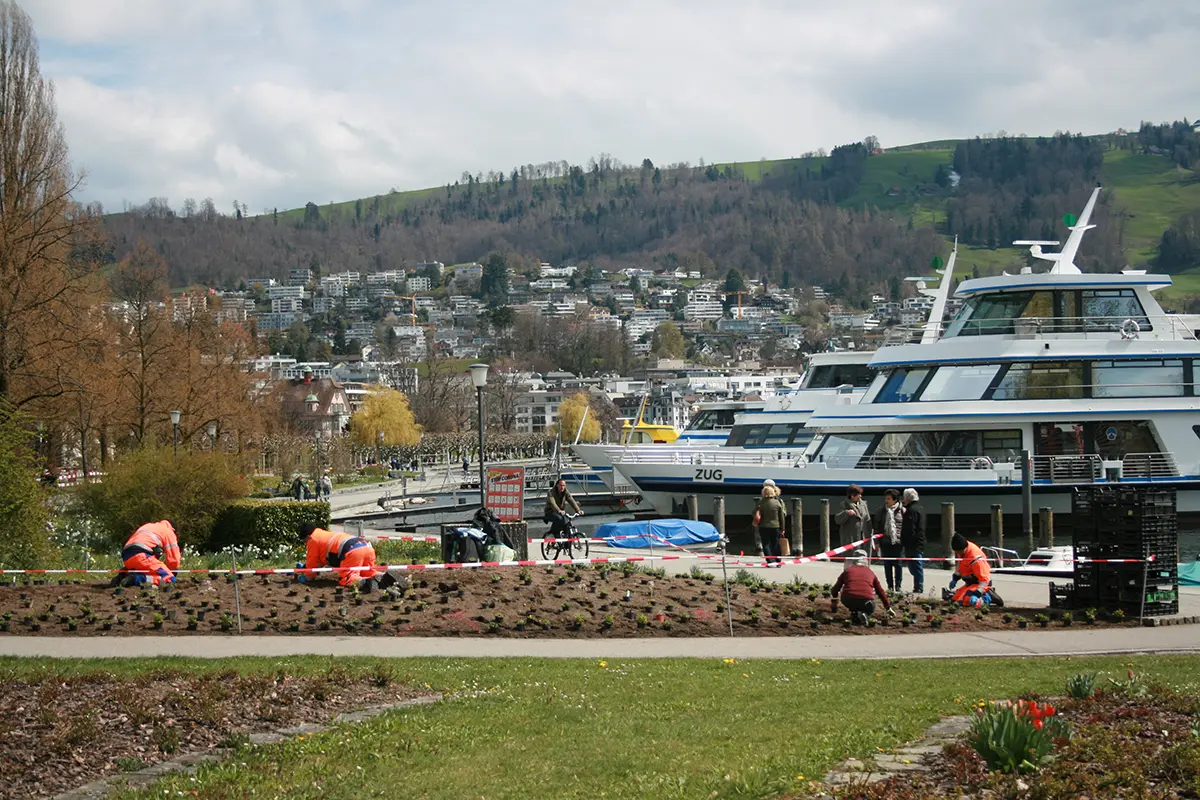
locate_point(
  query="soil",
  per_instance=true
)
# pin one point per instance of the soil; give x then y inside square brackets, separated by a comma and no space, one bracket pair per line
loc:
[535,602]
[1123,745]
[58,733]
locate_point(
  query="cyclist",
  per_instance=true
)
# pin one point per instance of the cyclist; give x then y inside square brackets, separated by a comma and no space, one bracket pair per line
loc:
[557,501]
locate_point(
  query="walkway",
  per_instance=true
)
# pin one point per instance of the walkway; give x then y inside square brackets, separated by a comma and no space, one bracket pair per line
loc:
[1074,642]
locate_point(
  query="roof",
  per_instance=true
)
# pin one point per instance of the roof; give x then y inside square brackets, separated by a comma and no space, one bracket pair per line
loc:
[1050,280]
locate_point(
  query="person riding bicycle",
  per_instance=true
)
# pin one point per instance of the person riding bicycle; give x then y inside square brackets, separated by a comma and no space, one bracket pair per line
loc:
[557,501]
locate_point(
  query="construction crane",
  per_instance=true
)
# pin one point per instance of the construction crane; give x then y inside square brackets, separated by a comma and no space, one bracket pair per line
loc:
[413,301]
[739,294]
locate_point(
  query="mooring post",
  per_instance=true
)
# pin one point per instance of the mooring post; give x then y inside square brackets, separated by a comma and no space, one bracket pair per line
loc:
[947,532]
[797,532]
[825,546]
[998,528]
[693,507]
[1027,496]
[719,514]
[1046,525]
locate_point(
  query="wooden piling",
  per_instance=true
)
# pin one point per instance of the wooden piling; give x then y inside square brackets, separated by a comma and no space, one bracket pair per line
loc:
[693,507]
[947,532]
[797,532]
[825,545]
[998,525]
[719,514]
[1046,527]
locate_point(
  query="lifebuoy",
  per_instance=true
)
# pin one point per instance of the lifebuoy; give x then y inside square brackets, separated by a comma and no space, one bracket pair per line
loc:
[982,462]
[1130,329]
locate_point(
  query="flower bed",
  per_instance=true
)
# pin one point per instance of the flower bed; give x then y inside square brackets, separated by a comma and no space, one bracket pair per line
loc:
[1130,738]
[522,602]
[59,732]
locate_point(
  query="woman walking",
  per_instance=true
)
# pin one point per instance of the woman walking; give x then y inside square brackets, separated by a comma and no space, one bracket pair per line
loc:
[770,518]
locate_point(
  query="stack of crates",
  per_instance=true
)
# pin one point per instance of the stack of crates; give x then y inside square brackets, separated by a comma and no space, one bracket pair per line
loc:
[1126,522]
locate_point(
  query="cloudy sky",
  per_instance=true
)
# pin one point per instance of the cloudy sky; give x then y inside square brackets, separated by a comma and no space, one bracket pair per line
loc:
[273,103]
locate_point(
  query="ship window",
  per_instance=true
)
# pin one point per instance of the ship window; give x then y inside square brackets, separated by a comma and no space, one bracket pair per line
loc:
[998,445]
[1161,378]
[1043,381]
[844,449]
[902,385]
[1107,309]
[959,383]
[831,376]
[990,314]
[778,435]
[712,419]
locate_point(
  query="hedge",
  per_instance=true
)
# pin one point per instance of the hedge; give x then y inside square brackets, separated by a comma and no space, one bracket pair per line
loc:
[266,524]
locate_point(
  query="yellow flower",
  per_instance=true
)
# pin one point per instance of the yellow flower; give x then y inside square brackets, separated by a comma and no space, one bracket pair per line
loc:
[799,777]
[730,661]
[603,664]
[878,674]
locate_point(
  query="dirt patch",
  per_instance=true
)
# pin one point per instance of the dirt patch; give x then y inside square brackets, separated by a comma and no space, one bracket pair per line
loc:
[1124,744]
[527,602]
[57,732]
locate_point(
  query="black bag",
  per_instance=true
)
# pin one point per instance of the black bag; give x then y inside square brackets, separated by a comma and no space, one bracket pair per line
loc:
[468,549]
[489,523]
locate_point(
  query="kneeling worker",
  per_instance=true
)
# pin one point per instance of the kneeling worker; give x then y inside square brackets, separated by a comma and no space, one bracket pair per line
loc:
[859,586]
[329,549]
[975,573]
[150,555]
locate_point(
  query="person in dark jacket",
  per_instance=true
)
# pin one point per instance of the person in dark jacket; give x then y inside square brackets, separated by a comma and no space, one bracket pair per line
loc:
[854,520]
[859,586]
[888,523]
[771,520]
[912,538]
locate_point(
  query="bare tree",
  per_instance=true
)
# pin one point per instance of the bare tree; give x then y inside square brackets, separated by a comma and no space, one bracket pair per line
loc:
[47,251]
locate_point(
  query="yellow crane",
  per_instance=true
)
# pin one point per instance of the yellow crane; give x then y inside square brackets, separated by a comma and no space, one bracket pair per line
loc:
[412,300]
[739,294]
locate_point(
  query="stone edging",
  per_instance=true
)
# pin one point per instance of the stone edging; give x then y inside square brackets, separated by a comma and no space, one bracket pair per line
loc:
[909,758]
[190,762]
[1159,622]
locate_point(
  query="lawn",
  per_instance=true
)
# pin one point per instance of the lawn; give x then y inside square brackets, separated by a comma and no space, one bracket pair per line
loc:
[647,728]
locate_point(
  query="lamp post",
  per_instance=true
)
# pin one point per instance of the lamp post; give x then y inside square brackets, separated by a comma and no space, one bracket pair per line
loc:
[379,456]
[212,436]
[479,374]
[175,432]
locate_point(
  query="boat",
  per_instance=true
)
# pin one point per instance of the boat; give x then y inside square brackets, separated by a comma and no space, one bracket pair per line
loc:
[674,533]
[1045,562]
[777,422]
[1086,372]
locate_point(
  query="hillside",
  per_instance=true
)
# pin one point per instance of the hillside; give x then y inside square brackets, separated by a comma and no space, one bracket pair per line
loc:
[850,218]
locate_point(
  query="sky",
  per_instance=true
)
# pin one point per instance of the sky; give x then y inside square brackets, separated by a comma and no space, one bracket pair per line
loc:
[274,103]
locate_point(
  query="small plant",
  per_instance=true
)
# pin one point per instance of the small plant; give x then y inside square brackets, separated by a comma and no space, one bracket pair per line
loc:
[495,577]
[696,572]
[226,624]
[577,622]
[1016,738]
[1041,619]
[566,606]
[128,764]
[1118,615]
[235,741]
[166,739]
[794,614]
[1081,685]
[666,625]
[157,621]
[1007,619]
[1134,685]
[1089,616]
[602,594]
[752,614]
[936,622]
[775,613]
[607,622]
[642,620]
[1067,618]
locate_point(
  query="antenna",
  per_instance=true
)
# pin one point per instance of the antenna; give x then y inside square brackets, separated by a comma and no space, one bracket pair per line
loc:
[1064,260]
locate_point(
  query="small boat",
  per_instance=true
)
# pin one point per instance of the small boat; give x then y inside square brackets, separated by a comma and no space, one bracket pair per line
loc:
[1048,562]
[650,533]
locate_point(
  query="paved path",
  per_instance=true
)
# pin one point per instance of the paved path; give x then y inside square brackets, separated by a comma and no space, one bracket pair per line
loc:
[1076,642]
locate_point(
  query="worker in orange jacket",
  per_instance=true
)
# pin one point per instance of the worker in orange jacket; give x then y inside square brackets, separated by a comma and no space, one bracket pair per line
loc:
[150,554]
[975,573]
[329,549]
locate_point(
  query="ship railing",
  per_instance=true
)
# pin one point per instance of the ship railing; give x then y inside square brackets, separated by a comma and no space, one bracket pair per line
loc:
[1162,326]
[1149,465]
[1067,468]
[883,461]
[763,458]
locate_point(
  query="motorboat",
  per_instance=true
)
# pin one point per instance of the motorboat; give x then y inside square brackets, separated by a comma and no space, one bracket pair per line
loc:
[1085,371]
[1049,562]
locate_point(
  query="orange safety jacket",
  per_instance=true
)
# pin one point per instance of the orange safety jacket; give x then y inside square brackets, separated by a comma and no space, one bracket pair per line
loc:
[152,535]
[327,549]
[974,562]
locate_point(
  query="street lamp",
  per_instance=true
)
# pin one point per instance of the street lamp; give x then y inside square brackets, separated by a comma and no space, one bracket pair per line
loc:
[212,436]
[479,378]
[175,434]
[379,456]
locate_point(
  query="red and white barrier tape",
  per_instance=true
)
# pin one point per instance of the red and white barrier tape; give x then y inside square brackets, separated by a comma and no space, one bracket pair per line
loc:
[406,538]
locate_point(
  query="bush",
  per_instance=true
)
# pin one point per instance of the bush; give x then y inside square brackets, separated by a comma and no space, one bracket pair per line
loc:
[150,484]
[265,524]
[24,534]
[1016,738]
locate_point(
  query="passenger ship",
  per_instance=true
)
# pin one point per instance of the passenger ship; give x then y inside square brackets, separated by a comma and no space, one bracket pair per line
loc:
[1086,371]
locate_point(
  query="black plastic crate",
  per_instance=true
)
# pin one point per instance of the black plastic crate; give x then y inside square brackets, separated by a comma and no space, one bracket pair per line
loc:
[1062,595]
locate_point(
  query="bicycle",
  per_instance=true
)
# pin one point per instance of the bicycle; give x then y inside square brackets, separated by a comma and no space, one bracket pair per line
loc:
[568,546]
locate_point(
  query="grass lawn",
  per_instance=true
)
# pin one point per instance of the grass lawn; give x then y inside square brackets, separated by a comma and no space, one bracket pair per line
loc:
[652,728]
[1156,194]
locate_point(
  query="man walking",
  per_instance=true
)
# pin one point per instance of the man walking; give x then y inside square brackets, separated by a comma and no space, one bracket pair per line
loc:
[912,538]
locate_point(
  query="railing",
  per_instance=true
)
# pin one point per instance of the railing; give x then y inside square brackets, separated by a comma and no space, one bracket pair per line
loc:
[1149,465]
[763,458]
[882,461]
[1067,469]
[1156,326]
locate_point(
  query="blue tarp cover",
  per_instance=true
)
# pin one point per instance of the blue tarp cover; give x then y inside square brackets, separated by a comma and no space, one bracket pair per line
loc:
[1189,574]
[677,531]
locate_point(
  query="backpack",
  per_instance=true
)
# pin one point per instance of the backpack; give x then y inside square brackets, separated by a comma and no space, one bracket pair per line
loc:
[469,545]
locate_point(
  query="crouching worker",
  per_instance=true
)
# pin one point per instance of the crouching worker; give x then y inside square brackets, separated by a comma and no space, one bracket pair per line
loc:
[859,586]
[329,549]
[975,573]
[150,555]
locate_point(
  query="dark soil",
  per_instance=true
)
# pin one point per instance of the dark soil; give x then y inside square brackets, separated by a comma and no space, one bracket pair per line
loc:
[561,602]
[1123,745]
[58,733]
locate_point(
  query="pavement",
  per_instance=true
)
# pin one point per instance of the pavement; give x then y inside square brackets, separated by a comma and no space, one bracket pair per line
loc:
[1061,642]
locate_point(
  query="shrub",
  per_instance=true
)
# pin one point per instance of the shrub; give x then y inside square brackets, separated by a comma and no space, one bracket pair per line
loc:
[150,484]
[264,523]
[1081,685]
[1016,738]
[24,538]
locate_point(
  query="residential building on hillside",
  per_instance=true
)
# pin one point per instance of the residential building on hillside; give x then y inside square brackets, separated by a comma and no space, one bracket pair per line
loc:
[416,283]
[277,292]
[643,321]
[285,305]
[708,310]
[268,322]
[425,266]
[235,309]
[186,306]
[354,304]
[314,406]
[364,332]
[299,277]
[265,283]
[322,305]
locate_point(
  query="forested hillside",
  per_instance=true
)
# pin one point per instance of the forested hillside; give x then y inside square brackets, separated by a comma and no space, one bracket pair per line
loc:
[851,219]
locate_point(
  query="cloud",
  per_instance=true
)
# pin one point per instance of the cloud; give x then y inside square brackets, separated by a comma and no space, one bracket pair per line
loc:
[275,103]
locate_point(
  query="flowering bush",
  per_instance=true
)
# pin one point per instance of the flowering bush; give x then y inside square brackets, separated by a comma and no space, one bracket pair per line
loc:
[1016,737]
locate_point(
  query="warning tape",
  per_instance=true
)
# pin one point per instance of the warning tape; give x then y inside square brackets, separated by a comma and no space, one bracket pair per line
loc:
[386,538]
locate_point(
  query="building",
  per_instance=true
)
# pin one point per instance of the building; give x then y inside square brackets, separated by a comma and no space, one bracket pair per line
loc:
[322,305]
[299,277]
[364,332]
[704,311]
[643,321]
[314,406]
[287,305]
[275,322]
[235,309]
[276,292]
[357,304]
[417,283]
[186,306]
[265,283]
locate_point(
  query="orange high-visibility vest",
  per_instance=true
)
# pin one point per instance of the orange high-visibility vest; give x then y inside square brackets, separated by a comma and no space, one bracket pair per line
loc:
[158,534]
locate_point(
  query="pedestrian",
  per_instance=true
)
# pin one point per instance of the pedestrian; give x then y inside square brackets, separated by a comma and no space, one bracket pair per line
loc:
[854,520]
[770,518]
[150,554]
[329,549]
[888,522]
[912,538]
[466,467]
[326,486]
[975,573]
[558,499]
[298,488]
[858,586]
